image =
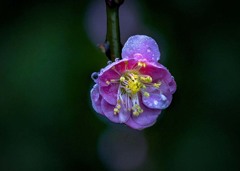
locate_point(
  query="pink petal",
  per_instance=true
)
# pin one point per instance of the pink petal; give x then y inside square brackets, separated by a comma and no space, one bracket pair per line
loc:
[141,47]
[160,73]
[172,85]
[109,93]
[124,115]
[121,117]
[168,79]
[145,119]
[156,71]
[114,70]
[148,117]
[157,99]
[96,99]
[131,123]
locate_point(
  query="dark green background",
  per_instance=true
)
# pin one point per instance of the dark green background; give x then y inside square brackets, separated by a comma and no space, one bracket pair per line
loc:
[46,59]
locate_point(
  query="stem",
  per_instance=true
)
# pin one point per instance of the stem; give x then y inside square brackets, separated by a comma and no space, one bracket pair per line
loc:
[113,41]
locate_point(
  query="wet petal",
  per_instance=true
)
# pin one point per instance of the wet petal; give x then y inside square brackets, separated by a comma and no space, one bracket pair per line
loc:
[160,73]
[172,85]
[145,119]
[108,109]
[148,117]
[157,99]
[114,71]
[157,72]
[124,115]
[96,99]
[109,93]
[141,47]
[131,123]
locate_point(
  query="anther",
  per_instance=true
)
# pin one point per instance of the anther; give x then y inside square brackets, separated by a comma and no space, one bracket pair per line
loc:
[118,106]
[146,94]
[157,85]
[149,79]
[122,78]
[140,64]
[116,111]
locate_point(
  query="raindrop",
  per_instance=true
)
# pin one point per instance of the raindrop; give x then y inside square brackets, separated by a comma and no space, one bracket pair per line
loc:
[155,102]
[94,76]
[163,97]
[149,50]
[137,55]
[109,62]
[117,59]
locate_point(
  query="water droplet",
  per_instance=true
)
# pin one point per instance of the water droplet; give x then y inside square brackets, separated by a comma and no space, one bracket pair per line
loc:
[163,97]
[155,102]
[149,50]
[109,62]
[117,59]
[138,55]
[94,76]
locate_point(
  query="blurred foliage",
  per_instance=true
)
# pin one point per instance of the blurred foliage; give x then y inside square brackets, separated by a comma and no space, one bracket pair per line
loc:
[46,59]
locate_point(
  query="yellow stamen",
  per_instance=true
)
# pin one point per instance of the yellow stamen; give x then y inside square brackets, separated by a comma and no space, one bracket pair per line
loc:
[118,106]
[137,110]
[157,85]
[116,111]
[146,94]
[122,78]
[146,79]
[141,64]
[135,113]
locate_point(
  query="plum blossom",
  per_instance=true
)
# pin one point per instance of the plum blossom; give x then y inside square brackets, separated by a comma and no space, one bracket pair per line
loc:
[135,89]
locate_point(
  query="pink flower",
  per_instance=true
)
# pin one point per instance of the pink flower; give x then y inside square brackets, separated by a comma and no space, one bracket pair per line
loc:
[135,89]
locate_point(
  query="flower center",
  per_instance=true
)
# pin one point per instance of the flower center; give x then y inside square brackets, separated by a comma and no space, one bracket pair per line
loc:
[131,83]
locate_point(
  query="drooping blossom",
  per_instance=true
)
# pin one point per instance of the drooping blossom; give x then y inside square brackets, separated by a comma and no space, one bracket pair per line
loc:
[135,89]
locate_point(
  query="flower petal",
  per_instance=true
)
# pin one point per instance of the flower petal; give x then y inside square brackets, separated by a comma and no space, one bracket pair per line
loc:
[96,99]
[141,47]
[156,71]
[131,123]
[124,115]
[145,119]
[109,93]
[172,85]
[108,109]
[157,99]
[148,117]
[114,70]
